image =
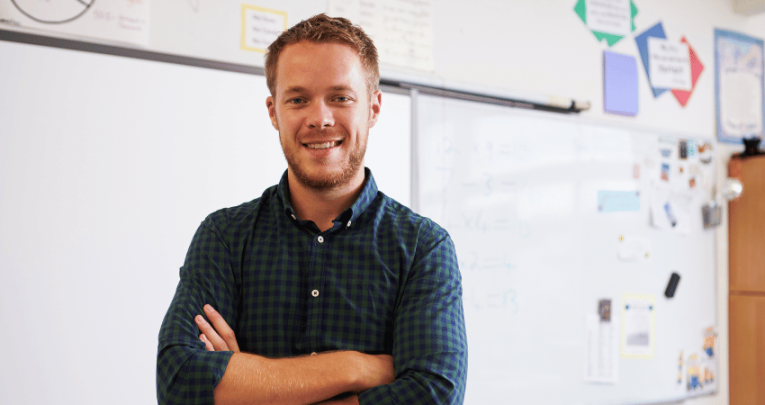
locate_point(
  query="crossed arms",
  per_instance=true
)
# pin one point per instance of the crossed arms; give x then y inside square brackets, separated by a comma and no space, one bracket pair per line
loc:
[252,379]
[428,347]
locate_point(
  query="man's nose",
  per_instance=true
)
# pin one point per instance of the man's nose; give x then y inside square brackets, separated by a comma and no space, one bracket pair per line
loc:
[321,116]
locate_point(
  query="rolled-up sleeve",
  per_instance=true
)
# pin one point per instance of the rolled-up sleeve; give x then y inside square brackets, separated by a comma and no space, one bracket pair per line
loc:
[186,372]
[429,339]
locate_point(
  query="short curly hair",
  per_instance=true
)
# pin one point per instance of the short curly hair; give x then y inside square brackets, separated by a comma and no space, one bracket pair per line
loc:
[322,29]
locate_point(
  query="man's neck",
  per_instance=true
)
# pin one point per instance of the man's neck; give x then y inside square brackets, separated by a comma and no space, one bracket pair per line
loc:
[323,206]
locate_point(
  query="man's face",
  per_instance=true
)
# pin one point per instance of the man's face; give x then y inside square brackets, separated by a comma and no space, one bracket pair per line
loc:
[323,113]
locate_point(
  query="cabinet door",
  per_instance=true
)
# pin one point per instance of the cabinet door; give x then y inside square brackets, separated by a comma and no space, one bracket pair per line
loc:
[746,316]
[747,226]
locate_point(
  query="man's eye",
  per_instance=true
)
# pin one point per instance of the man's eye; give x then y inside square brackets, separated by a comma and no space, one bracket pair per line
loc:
[295,101]
[342,99]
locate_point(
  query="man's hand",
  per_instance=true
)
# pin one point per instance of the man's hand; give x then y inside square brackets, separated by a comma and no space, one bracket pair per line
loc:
[320,377]
[218,336]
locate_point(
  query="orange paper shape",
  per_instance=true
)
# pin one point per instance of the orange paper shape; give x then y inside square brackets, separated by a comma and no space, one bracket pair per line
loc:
[682,96]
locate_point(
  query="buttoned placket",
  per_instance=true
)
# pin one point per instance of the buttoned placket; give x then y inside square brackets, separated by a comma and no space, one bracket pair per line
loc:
[315,285]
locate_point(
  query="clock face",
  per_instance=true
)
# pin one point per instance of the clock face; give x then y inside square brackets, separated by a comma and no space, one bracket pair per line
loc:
[53,11]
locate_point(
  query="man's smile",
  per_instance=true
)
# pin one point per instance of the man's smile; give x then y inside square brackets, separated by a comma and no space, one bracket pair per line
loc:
[325,145]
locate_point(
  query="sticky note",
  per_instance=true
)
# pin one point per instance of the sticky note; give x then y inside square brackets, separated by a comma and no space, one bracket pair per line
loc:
[614,201]
[620,84]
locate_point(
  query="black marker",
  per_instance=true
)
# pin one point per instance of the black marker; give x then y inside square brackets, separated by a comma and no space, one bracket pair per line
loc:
[673,281]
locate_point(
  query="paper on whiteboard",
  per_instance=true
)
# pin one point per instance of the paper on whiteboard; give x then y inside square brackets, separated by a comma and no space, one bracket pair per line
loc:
[635,249]
[609,16]
[669,64]
[670,209]
[638,319]
[117,20]
[602,349]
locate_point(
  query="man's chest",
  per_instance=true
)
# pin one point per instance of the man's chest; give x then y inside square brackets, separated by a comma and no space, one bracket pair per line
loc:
[302,293]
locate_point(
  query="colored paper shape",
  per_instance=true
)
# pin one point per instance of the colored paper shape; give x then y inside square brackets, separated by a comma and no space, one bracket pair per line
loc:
[581,10]
[620,84]
[657,31]
[696,68]
[618,201]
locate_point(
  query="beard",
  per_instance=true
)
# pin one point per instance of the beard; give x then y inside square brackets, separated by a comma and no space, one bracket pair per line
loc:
[331,179]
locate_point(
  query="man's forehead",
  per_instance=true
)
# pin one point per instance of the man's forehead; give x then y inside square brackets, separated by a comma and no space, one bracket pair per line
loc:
[308,64]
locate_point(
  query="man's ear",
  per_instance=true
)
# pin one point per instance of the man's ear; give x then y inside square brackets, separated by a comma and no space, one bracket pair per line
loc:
[374,107]
[272,112]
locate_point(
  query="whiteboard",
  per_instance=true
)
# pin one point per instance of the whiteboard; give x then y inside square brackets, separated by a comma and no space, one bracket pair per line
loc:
[518,192]
[107,167]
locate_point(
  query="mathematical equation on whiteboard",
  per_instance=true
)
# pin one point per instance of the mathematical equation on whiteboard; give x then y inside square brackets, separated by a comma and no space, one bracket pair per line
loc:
[511,196]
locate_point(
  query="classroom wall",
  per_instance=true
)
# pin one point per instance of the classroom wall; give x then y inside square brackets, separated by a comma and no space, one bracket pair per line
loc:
[539,47]
[542,47]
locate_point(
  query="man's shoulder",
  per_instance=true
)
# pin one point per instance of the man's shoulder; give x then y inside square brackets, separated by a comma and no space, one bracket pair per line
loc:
[406,222]
[240,216]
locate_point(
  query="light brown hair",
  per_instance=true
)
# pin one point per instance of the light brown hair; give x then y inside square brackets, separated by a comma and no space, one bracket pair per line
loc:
[321,29]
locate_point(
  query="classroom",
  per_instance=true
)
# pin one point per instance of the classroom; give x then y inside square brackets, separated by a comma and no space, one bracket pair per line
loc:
[585,156]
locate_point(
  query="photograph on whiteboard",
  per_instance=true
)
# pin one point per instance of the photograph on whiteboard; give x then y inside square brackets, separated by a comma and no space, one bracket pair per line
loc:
[701,374]
[702,366]
[638,326]
[114,21]
[739,86]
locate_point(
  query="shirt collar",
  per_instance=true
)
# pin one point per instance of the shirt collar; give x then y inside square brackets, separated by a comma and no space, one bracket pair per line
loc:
[368,194]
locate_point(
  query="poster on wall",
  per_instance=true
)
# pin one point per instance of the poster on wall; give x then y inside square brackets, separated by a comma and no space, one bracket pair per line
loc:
[260,27]
[402,30]
[738,86]
[126,21]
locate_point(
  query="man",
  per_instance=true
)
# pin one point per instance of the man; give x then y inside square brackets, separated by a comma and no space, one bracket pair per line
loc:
[322,289]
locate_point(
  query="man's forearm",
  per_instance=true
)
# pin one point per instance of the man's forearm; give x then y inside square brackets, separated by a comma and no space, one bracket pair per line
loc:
[252,379]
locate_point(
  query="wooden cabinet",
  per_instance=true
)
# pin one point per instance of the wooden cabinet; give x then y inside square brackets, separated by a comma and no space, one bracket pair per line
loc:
[746,290]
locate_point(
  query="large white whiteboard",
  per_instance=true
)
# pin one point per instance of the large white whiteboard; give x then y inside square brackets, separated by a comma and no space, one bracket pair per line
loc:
[518,192]
[107,166]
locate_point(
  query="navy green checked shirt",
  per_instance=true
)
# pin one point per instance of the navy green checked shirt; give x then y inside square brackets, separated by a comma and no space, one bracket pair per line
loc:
[382,280]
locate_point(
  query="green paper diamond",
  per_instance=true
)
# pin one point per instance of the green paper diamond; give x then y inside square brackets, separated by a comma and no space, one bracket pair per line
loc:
[581,10]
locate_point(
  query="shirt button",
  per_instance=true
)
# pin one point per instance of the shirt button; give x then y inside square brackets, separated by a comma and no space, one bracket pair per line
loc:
[349,224]
[294,217]
[320,239]
[315,293]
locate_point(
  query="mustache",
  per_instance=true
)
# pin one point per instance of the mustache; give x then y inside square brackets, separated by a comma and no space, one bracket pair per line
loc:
[322,134]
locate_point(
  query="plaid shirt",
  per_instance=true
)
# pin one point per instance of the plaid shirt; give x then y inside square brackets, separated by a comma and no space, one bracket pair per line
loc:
[382,280]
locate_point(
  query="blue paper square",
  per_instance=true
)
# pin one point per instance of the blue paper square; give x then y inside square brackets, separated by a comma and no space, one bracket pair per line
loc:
[620,84]
[657,31]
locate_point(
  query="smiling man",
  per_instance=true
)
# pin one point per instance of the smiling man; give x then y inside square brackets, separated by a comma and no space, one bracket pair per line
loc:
[322,290]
